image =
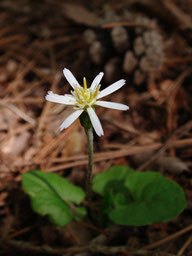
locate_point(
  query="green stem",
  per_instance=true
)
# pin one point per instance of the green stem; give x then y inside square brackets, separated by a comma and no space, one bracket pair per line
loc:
[86,123]
[89,133]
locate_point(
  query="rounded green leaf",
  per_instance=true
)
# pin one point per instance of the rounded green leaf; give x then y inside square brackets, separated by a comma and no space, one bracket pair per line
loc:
[51,195]
[155,199]
[112,175]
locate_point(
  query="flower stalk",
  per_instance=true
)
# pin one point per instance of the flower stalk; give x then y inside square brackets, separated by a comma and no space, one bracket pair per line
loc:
[86,123]
[88,184]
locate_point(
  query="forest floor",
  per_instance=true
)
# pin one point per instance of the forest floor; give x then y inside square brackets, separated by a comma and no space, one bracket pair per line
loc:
[146,42]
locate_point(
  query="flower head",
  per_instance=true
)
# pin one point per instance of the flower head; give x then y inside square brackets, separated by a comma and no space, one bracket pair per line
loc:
[83,98]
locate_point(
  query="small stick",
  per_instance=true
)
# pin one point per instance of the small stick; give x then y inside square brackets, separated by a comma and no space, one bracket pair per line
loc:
[168,238]
[184,247]
[109,250]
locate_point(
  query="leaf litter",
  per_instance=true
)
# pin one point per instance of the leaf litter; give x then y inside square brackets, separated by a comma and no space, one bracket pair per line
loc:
[37,40]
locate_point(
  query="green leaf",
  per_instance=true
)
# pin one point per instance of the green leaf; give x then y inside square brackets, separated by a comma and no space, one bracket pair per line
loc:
[155,199]
[52,195]
[80,212]
[110,178]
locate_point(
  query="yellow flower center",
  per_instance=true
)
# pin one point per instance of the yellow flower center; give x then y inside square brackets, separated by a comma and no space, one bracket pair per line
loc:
[85,97]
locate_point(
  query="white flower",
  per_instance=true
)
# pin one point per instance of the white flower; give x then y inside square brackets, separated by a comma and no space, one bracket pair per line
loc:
[84,99]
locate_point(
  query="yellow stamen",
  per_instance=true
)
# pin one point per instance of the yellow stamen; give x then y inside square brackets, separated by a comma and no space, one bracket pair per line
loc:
[85,97]
[84,83]
[82,91]
[76,90]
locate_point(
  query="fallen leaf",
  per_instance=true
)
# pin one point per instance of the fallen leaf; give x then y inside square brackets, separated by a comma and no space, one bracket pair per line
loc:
[79,14]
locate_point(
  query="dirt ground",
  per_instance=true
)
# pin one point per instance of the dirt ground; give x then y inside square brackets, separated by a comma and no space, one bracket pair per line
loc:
[146,42]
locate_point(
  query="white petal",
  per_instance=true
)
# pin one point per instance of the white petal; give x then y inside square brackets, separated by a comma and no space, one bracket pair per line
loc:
[97,80]
[112,88]
[70,119]
[95,121]
[63,99]
[113,105]
[70,77]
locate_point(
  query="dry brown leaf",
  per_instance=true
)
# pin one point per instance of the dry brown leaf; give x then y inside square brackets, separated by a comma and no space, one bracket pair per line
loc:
[171,164]
[15,145]
[8,119]
[79,14]
[168,163]
[29,153]
[74,144]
